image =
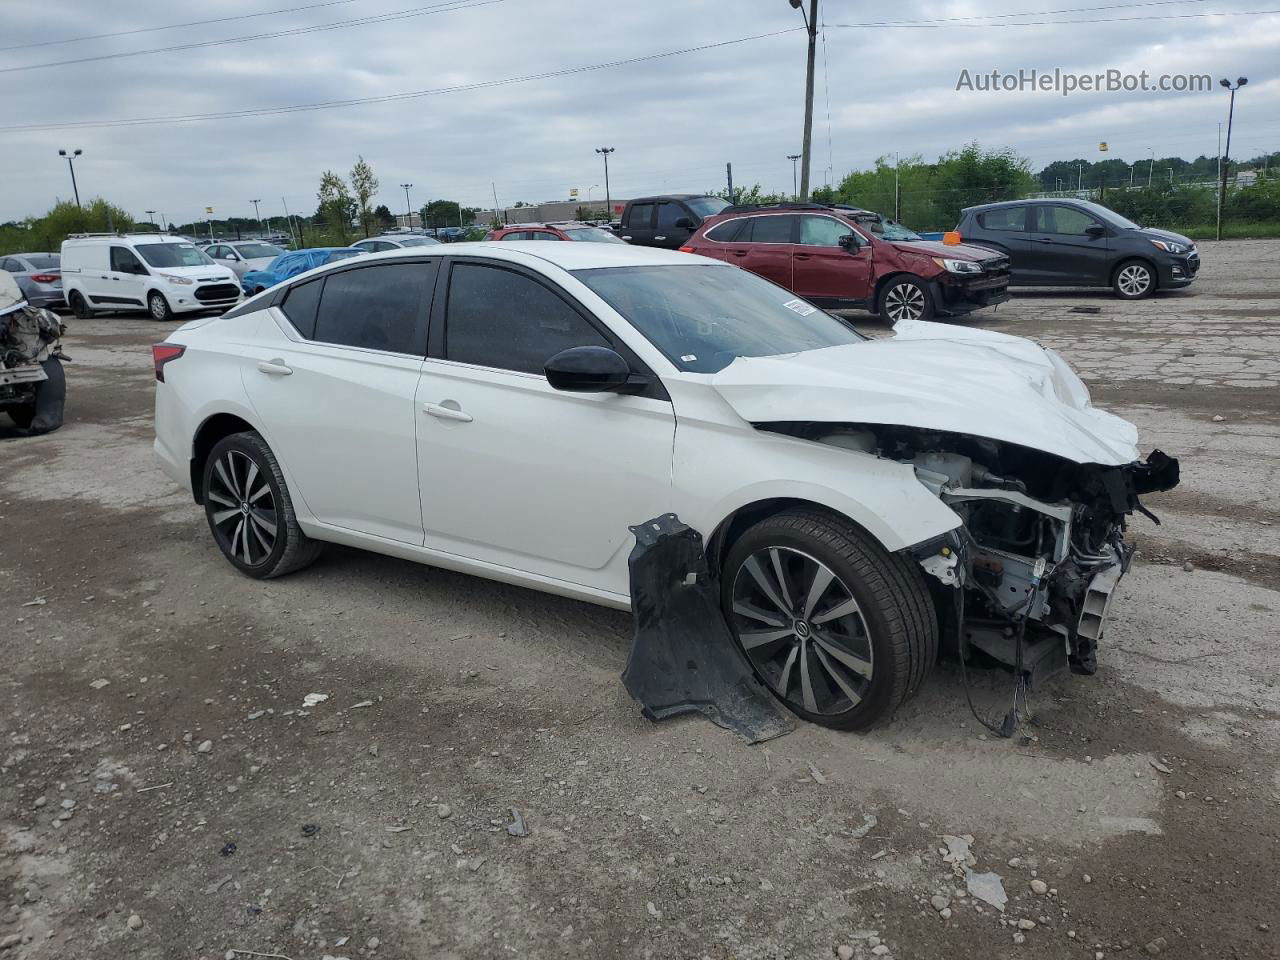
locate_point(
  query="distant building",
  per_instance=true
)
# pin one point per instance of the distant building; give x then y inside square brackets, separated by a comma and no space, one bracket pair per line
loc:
[547,212]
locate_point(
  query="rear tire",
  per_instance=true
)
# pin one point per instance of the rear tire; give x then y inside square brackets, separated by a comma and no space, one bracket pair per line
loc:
[855,623]
[158,306]
[79,306]
[1134,280]
[250,512]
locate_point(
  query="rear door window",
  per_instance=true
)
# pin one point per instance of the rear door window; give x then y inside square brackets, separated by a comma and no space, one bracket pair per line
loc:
[1009,218]
[772,229]
[640,216]
[501,318]
[668,214]
[379,307]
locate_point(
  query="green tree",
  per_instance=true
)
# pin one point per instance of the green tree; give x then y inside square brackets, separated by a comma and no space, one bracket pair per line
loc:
[383,217]
[446,213]
[337,207]
[364,185]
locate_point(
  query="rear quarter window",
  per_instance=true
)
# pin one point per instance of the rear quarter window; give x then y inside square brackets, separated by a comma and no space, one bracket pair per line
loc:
[301,304]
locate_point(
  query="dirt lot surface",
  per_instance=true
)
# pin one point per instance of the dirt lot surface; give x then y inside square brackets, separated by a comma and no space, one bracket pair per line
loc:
[164,793]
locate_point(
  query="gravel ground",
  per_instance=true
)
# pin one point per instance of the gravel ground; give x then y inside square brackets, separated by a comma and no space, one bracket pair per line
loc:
[164,792]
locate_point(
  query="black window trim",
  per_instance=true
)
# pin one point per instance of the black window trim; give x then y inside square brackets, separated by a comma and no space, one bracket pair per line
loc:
[421,331]
[439,310]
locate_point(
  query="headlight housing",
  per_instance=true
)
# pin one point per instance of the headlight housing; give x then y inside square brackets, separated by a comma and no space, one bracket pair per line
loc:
[181,281]
[958,266]
[1169,246]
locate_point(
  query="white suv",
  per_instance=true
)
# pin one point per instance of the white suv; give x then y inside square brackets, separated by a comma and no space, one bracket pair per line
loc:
[162,274]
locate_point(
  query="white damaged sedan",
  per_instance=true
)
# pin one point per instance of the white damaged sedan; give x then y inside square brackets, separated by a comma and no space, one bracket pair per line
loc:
[510,410]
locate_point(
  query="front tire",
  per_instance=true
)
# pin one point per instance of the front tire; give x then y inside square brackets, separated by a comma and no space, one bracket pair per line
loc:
[250,512]
[839,630]
[158,306]
[905,298]
[1134,280]
[22,416]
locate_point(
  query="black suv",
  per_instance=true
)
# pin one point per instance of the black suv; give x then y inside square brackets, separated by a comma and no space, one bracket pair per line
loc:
[667,221]
[1055,242]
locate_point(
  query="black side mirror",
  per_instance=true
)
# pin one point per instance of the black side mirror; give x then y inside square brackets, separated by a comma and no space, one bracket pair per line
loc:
[1096,230]
[849,241]
[684,223]
[588,370]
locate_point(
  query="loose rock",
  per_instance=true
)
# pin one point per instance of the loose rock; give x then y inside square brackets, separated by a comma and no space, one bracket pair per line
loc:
[844,952]
[134,922]
[444,811]
[205,747]
[1039,887]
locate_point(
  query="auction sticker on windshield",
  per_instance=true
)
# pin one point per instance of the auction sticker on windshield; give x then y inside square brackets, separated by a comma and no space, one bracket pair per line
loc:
[800,307]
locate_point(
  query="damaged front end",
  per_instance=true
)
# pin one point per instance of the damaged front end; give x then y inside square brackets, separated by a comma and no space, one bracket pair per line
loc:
[1040,548]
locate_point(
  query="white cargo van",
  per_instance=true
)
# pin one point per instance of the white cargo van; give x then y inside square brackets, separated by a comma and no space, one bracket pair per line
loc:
[155,272]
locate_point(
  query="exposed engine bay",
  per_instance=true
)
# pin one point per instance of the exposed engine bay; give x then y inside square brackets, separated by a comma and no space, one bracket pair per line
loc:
[32,385]
[1041,548]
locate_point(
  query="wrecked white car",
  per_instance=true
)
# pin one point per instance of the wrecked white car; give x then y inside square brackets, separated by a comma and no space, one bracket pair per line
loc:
[827,506]
[33,388]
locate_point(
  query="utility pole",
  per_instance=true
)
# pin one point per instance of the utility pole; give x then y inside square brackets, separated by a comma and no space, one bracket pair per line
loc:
[1152,168]
[1225,160]
[151,217]
[608,197]
[498,217]
[1080,176]
[70,158]
[795,189]
[728,173]
[408,207]
[806,150]
[897,190]
[256,215]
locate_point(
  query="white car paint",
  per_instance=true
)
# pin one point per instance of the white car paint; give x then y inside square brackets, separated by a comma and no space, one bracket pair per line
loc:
[539,487]
[90,269]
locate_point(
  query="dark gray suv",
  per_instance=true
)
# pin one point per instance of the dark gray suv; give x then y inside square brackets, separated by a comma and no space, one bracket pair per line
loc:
[1054,242]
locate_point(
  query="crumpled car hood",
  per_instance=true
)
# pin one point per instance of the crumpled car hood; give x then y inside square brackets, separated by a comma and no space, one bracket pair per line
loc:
[936,377]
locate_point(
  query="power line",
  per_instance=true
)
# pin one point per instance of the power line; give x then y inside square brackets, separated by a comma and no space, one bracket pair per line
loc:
[939,24]
[173,26]
[1047,13]
[391,97]
[448,6]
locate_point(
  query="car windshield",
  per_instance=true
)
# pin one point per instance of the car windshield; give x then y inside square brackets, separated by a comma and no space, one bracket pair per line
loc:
[1107,215]
[342,255]
[707,206]
[256,251]
[44,261]
[172,255]
[705,317]
[593,235]
[887,229]
[418,242]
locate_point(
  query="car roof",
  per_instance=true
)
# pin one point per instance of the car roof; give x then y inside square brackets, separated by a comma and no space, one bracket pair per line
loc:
[567,256]
[671,196]
[1069,201]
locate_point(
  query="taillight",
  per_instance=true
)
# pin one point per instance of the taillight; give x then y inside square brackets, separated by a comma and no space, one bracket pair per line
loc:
[686,249]
[162,353]
[44,277]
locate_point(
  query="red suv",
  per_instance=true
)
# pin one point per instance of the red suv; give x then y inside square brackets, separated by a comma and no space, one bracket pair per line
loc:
[554,231]
[841,257]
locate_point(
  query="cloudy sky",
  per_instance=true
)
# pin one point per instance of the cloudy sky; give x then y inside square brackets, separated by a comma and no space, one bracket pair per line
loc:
[673,120]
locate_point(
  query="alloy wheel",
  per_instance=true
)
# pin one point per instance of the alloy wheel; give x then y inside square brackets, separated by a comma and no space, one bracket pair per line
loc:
[243,508]
[904,301]
[159,309]
[802,630]
[1134,280]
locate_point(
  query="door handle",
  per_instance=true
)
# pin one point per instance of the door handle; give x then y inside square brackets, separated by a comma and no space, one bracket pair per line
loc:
[447,412]
[275,367]
[626,237]
[802,256]
[659,238]
[738,253]
[1044,240]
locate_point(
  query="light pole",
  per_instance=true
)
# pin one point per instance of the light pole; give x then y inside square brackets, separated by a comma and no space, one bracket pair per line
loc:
[256,215]
[408,207]
[1226,157]
[70,157]
[594,186]
[811,28]
[795,190]
[151,218]
[608,197]
[1151,169]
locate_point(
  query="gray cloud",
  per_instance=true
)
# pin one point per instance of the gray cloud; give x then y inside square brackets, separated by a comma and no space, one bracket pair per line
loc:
[674,122]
